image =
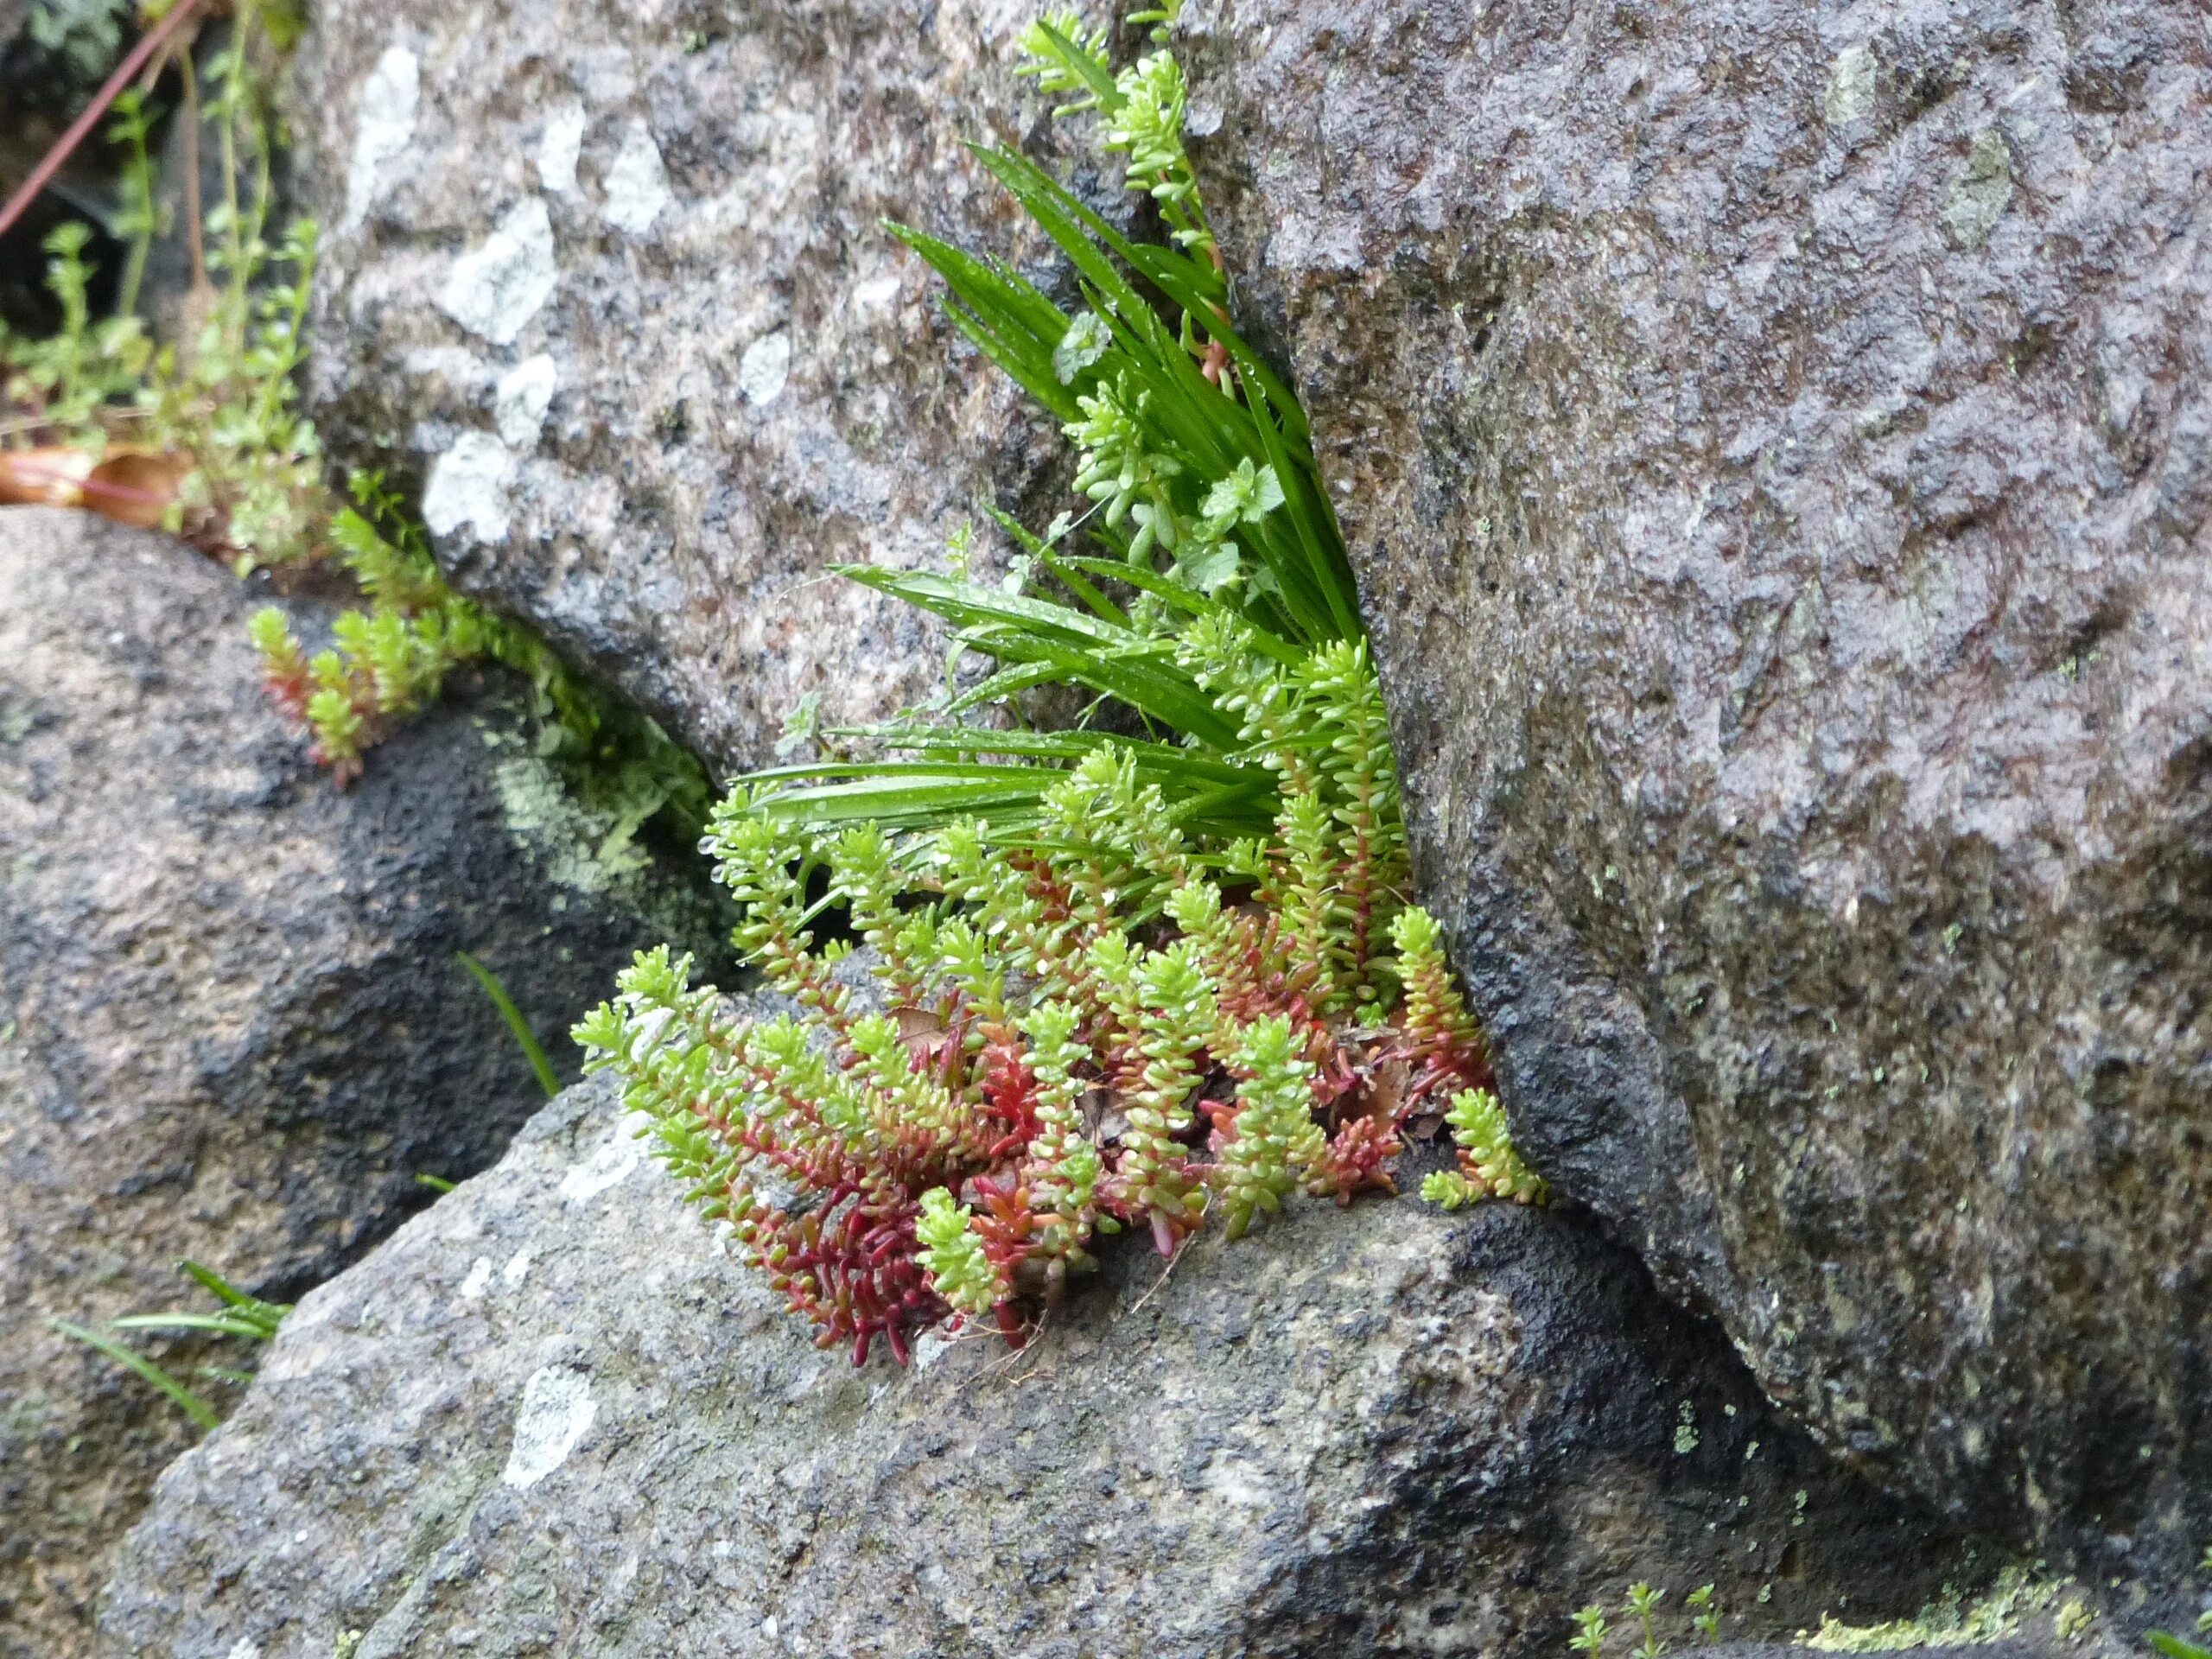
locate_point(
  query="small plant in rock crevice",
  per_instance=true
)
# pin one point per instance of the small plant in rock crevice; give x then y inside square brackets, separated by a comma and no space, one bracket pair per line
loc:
[201,436]
[1151,971]
[1592,1627]
[204,437]
[1125,1031]
[390,660]
[238,1314]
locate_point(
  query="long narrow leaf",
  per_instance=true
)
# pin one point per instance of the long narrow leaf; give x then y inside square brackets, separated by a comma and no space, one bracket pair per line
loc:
[226,1292]
[1101,84]
[1329,569]
[184,1399]
[1088,650]
[525,1039]
[1062,218]
[1007,318]
[1186,598]
[1030,185]
[221,1324]
[1003,685]
[1149,758]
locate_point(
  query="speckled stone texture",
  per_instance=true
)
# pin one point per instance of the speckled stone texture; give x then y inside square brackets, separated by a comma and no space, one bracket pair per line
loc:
[1776,444]
[553,1415]
[231,1027]
[610,282]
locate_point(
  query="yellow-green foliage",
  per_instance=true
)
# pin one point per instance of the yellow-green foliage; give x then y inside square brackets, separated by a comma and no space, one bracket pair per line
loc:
[1140,982]
[1103,1022]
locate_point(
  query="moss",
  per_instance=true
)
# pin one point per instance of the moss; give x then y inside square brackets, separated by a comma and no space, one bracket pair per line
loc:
[1951,1621]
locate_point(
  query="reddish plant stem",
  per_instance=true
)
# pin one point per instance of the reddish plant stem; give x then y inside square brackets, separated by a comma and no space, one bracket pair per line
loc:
[42,175]
[195,237]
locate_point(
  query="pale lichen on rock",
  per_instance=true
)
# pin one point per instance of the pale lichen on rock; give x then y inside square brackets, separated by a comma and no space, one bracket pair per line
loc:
[389,99]
[1385,1421]
[496,288]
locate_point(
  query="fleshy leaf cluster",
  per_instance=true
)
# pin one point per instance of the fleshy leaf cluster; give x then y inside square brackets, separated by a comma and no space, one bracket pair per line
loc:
[1113,982]
[1104,1024]
[389,659]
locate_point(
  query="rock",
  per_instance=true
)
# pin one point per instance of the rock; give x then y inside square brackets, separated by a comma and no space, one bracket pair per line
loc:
[554,1415]
[611,281]
[1776,445]
[231,1027]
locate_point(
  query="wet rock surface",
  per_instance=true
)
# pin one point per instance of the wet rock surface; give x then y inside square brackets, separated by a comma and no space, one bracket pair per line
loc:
[553,1414]
[1776,444]
[231,1027]
[610,282]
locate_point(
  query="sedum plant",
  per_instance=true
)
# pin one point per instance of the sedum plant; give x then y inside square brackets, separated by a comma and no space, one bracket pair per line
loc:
[390,660]
[1146,972]
[1120,1027]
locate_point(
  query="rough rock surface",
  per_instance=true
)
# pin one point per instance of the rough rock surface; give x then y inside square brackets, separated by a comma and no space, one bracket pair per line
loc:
[231,1027]
[1776,444]
[611,281]
[554,1415]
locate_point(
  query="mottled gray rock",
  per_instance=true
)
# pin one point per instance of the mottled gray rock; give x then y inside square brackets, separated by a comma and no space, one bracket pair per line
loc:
[553,1415]
[1776,444]
[610,281]
[231,1027]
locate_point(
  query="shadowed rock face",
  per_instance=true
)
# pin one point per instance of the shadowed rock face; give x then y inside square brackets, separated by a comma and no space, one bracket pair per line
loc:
[612,281]
[231,1027]
[1776,444]
[554,1414]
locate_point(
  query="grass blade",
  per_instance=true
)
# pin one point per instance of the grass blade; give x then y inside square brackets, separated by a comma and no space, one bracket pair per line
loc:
[221,1324]
[547,1078]
[183,1398]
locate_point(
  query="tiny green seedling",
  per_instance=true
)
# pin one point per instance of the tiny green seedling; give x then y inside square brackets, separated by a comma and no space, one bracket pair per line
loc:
[1644,1601]
[1707,1621]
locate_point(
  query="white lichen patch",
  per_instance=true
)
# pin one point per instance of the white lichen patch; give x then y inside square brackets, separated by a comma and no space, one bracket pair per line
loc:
[637,185]
[478,1280]
[875,295]
[610,1164]
[468,486]
[1851,86]
[524,395]
[1239,1482]
[559,146]
[560,837]
[765,368]
[390,95]
[518,1269]
[557,1414]
[495,289]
